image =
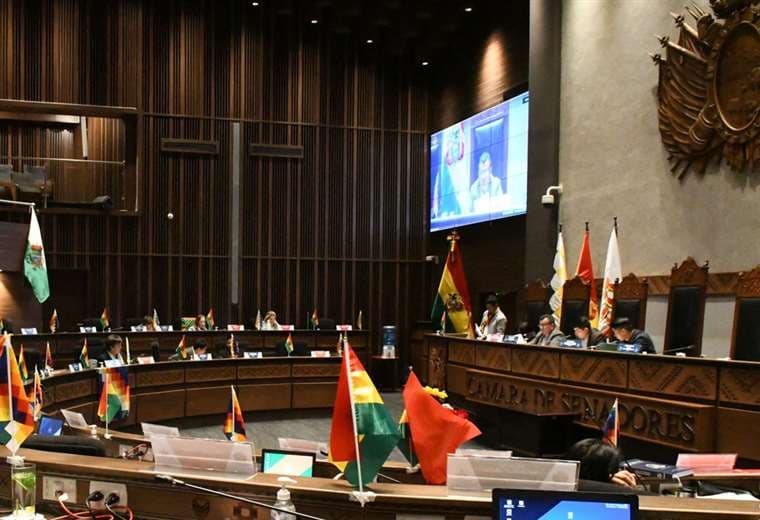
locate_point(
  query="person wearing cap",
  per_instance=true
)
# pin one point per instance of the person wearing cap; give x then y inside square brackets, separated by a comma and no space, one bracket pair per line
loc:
[625,333]
[494,321]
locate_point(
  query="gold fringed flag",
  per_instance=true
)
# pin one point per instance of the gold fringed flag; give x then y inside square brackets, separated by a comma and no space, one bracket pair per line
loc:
[16,414]
[231,346]
[613,272]
[37,396]
[22,364]
[84,358]
[314,320]
[289,344]
[453,296]
[234,425]
[35,266]
[585,270]
[362,434]
[154,321]
[257,321]
[181,350]
[53,323]
[559,278]
[359,323]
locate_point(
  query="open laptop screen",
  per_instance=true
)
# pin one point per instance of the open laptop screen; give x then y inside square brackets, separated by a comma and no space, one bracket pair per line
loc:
[561,505]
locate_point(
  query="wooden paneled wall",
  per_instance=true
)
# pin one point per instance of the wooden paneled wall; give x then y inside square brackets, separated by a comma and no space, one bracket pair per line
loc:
[343,229]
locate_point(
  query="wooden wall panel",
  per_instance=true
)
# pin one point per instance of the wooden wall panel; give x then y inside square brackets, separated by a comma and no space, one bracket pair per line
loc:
[343,229]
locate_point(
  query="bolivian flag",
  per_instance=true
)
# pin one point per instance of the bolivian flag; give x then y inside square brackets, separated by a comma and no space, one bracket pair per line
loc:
[16,414]
[105,323]
[453,296]
[84,358]
[289,344]
[48,357]
[114,394]
[210,321]
[22,364]
[234,425]
[361,420]
[181,349]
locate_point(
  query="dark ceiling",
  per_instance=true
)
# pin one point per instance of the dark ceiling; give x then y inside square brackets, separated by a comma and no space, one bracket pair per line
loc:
[417,30]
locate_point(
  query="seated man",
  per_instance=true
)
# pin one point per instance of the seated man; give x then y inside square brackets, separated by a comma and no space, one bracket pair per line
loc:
[600,462]
[588,335]
[113,349]
[625,333]
[549,334]
[494,321]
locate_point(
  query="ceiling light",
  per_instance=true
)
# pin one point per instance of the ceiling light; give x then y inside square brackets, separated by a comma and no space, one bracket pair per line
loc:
[314,21]
[468,9]
[255,4]
[425,63]
[370,41]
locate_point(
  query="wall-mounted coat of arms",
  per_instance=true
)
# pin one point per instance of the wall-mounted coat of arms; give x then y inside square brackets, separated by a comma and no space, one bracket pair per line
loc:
[709,88]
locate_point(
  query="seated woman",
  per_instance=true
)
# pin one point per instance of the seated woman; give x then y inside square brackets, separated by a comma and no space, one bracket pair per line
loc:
[588,335]
[270,321]
[601,462]
[113,349]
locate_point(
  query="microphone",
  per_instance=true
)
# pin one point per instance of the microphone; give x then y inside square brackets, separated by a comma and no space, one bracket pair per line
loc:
[178,482]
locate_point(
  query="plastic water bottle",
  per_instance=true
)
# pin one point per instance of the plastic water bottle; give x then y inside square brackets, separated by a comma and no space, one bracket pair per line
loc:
[283,501]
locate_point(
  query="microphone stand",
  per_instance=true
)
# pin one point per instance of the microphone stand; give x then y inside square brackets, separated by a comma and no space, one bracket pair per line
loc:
[178,482]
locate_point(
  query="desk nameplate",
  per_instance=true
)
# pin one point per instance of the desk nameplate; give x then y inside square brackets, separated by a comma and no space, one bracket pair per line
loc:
[673,423]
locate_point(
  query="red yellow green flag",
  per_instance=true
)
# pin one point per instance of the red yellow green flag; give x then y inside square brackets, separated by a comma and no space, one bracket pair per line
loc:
[453,296]
[48,357]
[53,324]
[210,321]
[114,394]
[105,323]
[585,270]
[16,414]
[361,425]
[84,358]
[22,364]
[289,344]
[181,350]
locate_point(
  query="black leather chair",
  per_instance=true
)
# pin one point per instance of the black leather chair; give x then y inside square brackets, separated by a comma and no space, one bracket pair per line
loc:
[575,299]
[745,340]
[686,308]
[536,297]
[93,322]
[326,324]
[631,300]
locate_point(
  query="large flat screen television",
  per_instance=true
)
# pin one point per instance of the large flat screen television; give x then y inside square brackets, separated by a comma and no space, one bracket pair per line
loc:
[479,167]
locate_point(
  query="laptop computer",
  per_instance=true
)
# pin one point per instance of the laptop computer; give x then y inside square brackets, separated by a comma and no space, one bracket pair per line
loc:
[50,426]
[292,463]
[519,504]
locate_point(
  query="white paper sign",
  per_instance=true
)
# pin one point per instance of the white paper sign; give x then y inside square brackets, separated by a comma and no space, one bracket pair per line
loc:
[75,367]
[113,363]
[74,419]
[344,328]
[287,327]
[145,360]
[29,331]
[253,355]
[320,353]
[167,328]
[235,327]
[137,328]
[88,330]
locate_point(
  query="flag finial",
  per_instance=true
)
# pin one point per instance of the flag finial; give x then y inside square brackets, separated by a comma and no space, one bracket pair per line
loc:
[560,228]
[614,219]
[587,225]
[452,238]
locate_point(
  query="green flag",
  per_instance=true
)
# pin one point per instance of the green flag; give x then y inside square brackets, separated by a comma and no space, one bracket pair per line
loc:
[35,268]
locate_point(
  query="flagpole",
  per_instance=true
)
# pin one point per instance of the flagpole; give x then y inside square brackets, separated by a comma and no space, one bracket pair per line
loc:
[347,361]
[107,435]
[17,203]
[129,358]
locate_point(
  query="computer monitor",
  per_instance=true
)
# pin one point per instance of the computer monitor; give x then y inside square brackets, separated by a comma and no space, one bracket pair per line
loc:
[50,426]
[292,463]
[514,504]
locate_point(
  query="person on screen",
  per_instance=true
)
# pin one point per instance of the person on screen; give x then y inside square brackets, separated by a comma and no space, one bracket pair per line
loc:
[588,335]
[494,321]
[270,321]
[113,349]
[451,195]
[625,333]
[486,187]
[601,462]
[549,335]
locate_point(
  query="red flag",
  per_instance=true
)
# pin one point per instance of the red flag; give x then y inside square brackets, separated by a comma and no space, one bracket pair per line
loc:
[342,447]
[436,431]
[585,270]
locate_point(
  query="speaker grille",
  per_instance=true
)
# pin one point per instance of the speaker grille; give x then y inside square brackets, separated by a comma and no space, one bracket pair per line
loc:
[191,146]
[275,150]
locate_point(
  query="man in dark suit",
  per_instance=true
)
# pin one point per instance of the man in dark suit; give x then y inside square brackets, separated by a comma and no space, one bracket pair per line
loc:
[588,335]
[549,334]
[625,333]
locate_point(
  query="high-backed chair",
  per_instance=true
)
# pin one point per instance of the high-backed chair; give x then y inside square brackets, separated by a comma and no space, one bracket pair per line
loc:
[631,300]
[745,340]
[575,298]
[7,186]
[536,295]
[686,308]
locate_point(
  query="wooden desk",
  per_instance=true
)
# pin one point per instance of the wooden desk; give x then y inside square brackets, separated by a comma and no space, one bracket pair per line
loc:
[153,499]
[686,404]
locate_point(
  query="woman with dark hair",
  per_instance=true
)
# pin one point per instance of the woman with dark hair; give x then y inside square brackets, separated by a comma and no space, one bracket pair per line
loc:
[601,462]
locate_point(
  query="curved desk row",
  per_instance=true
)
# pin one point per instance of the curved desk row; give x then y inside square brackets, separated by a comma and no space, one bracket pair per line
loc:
[66,346]
[184,389]
[687,404]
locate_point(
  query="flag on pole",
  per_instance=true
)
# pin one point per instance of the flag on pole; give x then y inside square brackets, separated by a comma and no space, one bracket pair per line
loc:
[105,323]
[359,323]
[53,323]
[453,296]
[362,433]
[84,358]
[35,267]
[231,345]
[613,272]
[210,321]
[405,445]
[22,365]
[156,324]
[16,415]
[49,357]
[314,320]
[611,428]
[585,270]
[114,394]
[257,321]
[443,322]
[181,349]
[129,356]
[234,425]
[37,401]
[289,344]
[436,431]
[339,346]
[559,278]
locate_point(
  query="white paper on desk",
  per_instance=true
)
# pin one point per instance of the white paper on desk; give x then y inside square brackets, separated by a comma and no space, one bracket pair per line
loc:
[729,495]
[74,419]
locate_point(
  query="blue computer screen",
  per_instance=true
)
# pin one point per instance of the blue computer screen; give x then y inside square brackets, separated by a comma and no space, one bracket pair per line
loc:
[547,507]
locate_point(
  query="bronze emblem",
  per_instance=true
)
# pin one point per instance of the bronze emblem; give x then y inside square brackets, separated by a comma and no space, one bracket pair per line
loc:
[454,303]
[709,88]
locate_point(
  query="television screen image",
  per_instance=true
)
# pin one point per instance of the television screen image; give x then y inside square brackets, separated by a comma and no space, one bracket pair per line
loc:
[479,167]
[560,505]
